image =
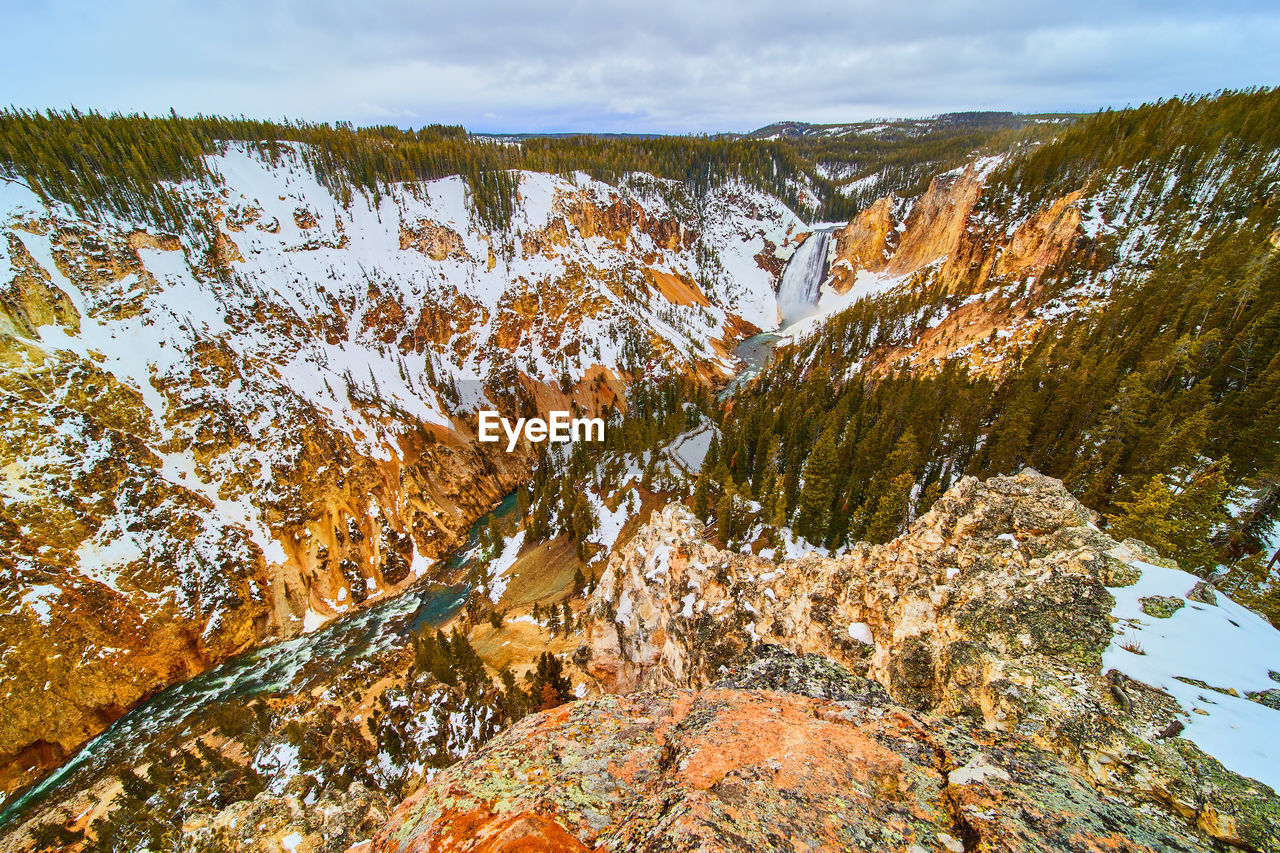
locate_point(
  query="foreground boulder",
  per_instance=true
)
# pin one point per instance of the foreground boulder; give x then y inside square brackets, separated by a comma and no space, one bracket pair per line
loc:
[831,764]
[995,607]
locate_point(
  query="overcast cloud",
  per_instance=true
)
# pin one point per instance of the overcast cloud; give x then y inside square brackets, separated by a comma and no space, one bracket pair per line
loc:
[662,66]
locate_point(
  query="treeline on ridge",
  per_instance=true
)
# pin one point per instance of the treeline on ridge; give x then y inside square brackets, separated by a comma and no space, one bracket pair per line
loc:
[120,164]
[124,165]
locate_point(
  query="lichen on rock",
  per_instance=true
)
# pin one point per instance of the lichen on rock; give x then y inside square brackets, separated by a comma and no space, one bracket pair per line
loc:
[789,753]
[993,607]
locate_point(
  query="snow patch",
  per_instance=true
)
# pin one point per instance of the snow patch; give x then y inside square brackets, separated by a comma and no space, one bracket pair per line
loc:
[1227,646]
[861,632]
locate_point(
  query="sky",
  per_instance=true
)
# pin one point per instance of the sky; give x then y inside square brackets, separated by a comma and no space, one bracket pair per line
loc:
[663,66]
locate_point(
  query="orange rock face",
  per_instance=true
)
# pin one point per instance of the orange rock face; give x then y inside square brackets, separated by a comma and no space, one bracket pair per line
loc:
[866,243]
[941,227]
[948,239]
[937,221]
[677,289]
[1041,240]
[796,755]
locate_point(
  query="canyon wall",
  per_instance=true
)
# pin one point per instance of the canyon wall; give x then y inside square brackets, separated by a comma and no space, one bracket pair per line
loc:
[228,436]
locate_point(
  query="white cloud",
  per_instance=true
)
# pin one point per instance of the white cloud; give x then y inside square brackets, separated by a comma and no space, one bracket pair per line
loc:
[662,66]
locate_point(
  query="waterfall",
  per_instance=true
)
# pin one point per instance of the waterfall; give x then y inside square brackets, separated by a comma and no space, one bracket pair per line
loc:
[805,272]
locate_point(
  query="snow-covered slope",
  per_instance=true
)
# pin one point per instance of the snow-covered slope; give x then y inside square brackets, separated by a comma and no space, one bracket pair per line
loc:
[1174,634]
[969,270]
[239,432]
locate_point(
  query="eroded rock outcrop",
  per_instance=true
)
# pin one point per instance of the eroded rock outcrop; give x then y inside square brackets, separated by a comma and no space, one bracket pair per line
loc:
[788,754]
[993,607]
[435,241]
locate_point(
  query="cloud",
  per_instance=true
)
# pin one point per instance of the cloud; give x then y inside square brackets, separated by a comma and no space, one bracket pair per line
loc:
[670,65]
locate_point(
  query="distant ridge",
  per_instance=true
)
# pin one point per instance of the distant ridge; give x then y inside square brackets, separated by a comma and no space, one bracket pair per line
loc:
[910,127]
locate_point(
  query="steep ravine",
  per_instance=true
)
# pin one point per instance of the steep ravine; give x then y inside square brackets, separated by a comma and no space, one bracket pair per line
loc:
[216,442]
[305,663]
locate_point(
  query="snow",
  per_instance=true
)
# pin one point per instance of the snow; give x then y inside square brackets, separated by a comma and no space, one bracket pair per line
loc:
[17,199]
[311,620]
[866,182]
[502,563]
[690,449]
[98,560]
[861,632]
[280,763]
[1226,646]
[623,614]
[609,523]
[291,841]
[793,546]
[37,597]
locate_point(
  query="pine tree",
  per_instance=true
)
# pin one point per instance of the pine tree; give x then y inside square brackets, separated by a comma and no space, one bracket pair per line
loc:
[769,496]
[1179,524]
[515,702]
[818,493]
[549,686]
[584,518]
[779,517]
[712,459]
[931,495]
[890,517]
[1149,516]
[724,511]
[701,498]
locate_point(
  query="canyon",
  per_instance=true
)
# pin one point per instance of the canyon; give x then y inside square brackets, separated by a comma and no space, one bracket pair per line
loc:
[229,442]
[279,579]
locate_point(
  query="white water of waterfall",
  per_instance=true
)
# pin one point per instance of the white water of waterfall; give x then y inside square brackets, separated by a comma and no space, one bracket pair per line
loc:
[801,280]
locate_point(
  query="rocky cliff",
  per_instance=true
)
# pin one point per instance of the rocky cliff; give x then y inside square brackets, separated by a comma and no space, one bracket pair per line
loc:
[944,227]
[1000,698]
[233,434]
[946,240]
[789,754]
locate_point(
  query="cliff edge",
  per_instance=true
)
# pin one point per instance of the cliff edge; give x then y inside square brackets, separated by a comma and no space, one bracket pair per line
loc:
[963,687]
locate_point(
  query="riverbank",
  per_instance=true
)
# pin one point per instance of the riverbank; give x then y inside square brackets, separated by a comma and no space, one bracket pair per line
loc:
[290,667]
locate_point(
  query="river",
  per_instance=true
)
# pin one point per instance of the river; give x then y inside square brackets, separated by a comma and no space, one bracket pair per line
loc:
[291,666]
[296,665]
[755,353]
